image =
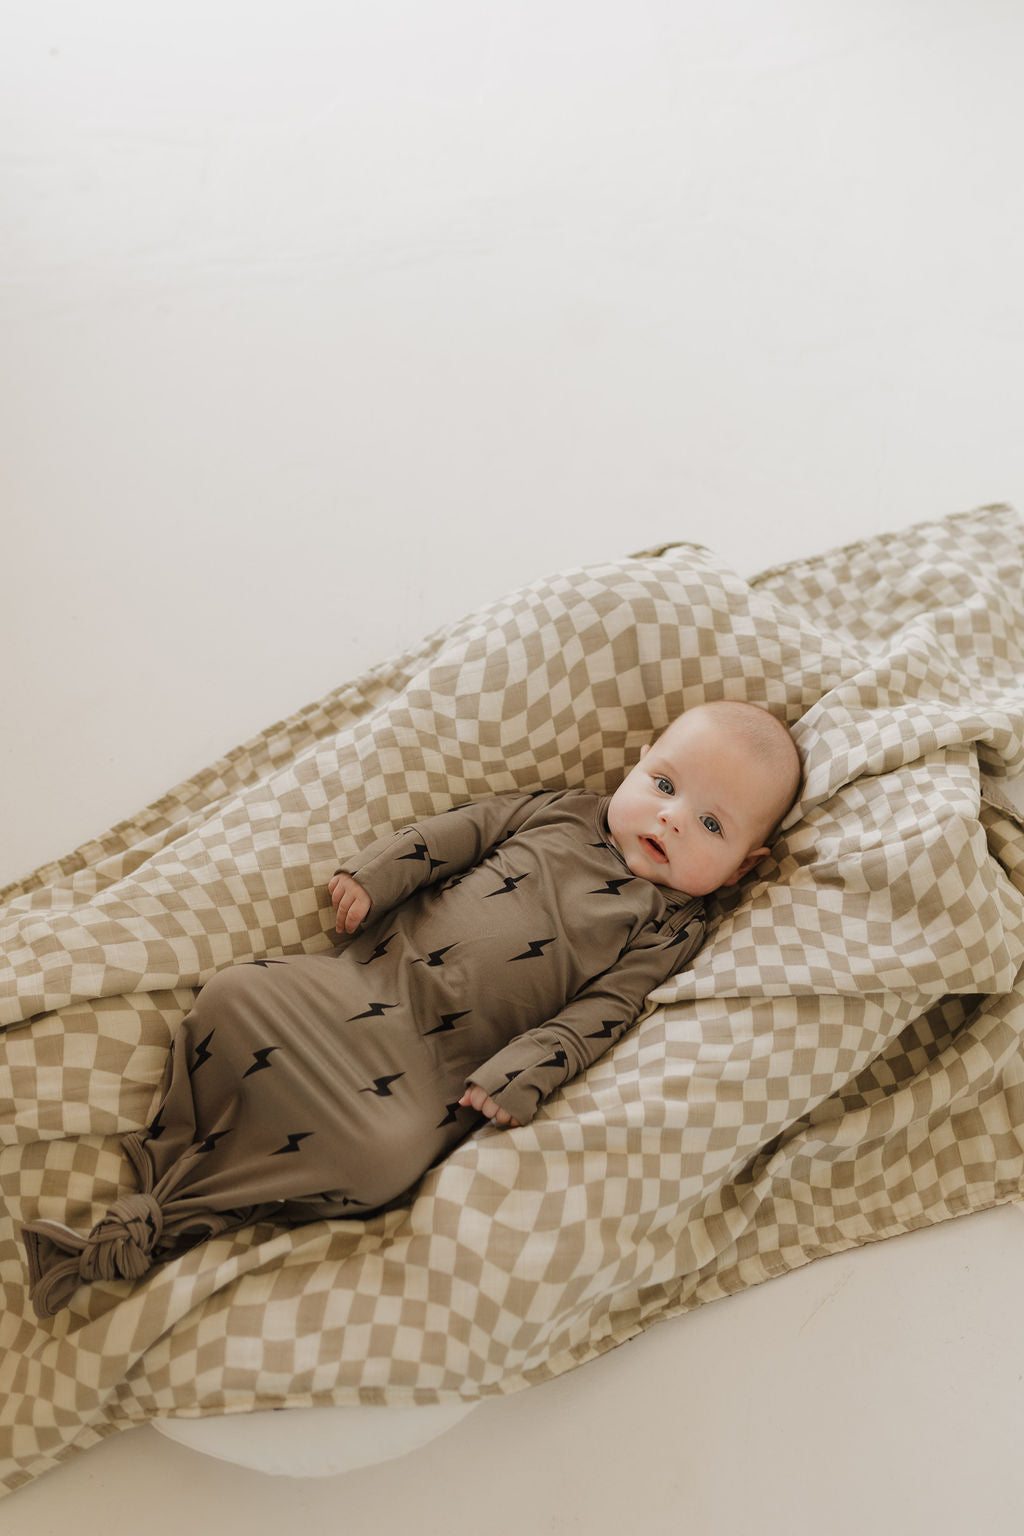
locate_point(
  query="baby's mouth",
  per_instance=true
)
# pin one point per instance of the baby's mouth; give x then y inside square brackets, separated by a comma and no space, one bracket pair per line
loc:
[654,850]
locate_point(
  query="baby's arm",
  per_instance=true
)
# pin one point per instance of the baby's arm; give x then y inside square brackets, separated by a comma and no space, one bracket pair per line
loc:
[534,1064]
[430,850]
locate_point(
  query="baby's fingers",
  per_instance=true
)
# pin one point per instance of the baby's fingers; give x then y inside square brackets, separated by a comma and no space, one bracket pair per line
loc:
[475,1098]
[351,911]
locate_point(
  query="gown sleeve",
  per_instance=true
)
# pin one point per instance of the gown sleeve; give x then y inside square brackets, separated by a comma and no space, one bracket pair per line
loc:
[437,847]
[532,1065]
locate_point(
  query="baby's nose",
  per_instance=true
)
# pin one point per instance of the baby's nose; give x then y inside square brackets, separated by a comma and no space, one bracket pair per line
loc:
[669,819]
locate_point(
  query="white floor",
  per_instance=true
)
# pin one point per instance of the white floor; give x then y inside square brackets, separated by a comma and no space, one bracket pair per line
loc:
[325,324]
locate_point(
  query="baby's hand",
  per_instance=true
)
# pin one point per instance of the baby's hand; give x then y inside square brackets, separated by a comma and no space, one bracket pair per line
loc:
[351,902]
[476,1098]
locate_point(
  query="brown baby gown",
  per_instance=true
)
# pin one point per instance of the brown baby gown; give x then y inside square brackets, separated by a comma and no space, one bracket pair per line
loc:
[507,944]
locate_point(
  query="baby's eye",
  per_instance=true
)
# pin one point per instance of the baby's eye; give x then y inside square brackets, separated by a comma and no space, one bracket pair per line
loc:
[664,786]
[712,825]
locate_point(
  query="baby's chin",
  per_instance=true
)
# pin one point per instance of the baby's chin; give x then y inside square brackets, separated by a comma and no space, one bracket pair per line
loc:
[656,873]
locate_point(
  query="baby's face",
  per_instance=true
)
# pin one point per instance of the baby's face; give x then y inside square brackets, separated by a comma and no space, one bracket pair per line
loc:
[694,811]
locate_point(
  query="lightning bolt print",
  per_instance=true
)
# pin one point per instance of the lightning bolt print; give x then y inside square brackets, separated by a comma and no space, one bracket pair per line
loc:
[292,1144]
[261,1059]
[202,1054]
[447,1021]
[421,855]
[435,957]
[382,1085]
[535,950]
[380,951]
[611,887]
[375,1011]
[607,1030]
[507,886]
[212,1140]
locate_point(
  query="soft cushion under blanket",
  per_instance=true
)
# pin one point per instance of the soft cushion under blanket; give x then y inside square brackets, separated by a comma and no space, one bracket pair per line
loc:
[844,1059]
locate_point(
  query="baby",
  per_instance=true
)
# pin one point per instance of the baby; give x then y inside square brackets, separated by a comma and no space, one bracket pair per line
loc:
[691,817]
[487,956]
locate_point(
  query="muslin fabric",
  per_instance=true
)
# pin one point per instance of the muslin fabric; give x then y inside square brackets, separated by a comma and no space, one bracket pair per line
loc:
[841,1062]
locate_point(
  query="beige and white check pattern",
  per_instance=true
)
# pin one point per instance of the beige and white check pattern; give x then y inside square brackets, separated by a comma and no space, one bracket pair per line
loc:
[843,1061]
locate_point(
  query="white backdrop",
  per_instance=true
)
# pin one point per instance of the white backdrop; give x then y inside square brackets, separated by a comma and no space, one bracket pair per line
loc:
[325,322]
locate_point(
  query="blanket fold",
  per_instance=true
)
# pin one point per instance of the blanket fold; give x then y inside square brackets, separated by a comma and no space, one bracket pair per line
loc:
[843,1060]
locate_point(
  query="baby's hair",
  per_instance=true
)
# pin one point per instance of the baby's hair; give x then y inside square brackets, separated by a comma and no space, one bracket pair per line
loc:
[769,739]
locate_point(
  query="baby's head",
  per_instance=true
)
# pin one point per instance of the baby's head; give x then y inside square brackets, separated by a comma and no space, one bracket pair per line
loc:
[697,810]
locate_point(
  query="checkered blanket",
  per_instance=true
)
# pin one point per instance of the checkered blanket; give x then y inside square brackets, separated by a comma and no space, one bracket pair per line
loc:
[843,1061]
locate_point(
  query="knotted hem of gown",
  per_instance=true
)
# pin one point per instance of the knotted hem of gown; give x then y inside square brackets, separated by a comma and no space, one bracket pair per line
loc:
[137,1231]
